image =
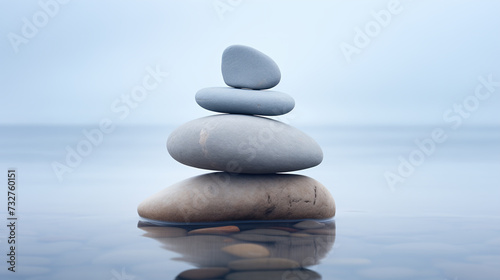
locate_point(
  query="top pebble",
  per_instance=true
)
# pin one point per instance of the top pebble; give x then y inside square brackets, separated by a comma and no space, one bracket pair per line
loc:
[246,67]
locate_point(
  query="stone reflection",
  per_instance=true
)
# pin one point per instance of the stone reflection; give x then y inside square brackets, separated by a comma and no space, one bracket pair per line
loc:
[259,250]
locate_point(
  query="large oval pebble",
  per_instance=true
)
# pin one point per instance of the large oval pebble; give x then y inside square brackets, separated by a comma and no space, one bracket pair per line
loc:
[224,196]
[243,144]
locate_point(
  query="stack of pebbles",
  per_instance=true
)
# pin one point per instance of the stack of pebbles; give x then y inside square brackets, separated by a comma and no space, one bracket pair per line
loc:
[250,150]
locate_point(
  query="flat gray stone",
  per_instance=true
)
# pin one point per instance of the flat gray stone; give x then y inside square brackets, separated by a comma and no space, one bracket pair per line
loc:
[246,67]
[243,144]
[245,101]
[224,196]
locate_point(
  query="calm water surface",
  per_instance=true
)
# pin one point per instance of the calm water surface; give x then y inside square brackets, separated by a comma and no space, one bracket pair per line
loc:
[441,222]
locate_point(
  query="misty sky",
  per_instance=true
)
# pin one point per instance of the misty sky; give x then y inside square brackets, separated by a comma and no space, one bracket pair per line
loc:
[85,58]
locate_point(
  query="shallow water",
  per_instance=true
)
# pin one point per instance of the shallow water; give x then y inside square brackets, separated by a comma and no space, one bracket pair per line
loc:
[442,222]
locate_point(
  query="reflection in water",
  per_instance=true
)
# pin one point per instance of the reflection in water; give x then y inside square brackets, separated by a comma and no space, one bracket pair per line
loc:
[257,250]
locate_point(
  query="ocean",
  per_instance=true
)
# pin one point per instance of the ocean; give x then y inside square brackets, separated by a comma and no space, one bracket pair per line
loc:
[413,202]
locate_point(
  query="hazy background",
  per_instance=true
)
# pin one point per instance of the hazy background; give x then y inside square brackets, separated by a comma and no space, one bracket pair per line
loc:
[89,53]
[365,110]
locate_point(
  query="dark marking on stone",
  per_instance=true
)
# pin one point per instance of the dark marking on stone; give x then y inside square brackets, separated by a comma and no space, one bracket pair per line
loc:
[315,194]
[292,200]
[269,210]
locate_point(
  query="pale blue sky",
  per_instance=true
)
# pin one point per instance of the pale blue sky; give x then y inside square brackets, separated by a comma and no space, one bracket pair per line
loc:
[73,69]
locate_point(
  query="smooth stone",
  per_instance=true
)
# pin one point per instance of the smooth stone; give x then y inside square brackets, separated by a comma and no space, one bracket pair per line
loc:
[267,231]
[304,274]
[215,230]
[204,273]
[246,67]
[263,264]
[247,250]
[243,144]
[308,224]
[222,196]
[244,101]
